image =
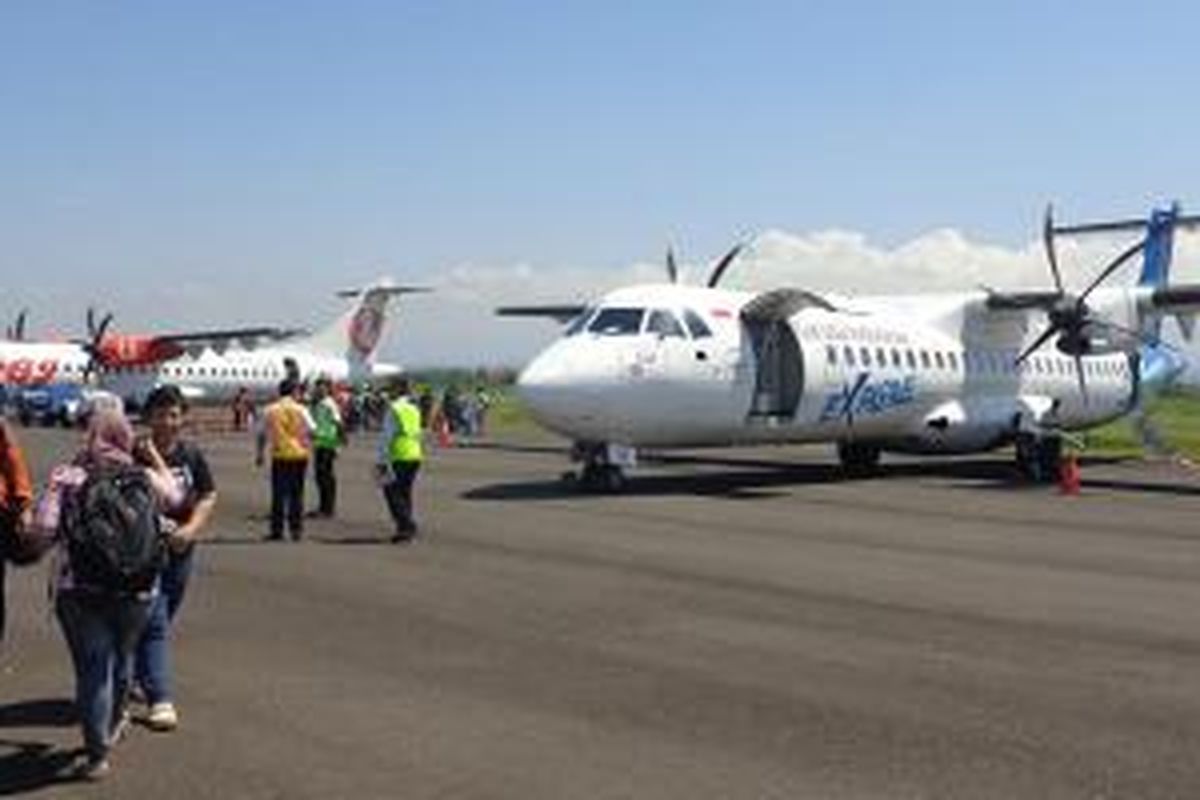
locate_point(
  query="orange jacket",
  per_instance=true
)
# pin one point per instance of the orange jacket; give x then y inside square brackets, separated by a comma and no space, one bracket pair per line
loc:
[14,475]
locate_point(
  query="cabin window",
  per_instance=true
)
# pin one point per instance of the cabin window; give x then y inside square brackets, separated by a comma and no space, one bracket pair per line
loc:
[953,359]
[866,356]
[663,323]
[695,324]
[910,359]
[617,322]
[848,352]
[831,355]
[579,322]
[941,362]
[880,357]
[895,358]
[925,359]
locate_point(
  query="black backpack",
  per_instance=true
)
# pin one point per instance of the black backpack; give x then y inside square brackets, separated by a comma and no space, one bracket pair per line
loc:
[111,527]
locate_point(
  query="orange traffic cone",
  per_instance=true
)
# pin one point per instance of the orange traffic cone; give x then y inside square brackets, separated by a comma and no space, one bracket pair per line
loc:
[1069,475]
[443,433]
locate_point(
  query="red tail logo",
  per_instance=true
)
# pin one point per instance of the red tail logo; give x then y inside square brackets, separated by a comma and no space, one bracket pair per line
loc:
[365,329]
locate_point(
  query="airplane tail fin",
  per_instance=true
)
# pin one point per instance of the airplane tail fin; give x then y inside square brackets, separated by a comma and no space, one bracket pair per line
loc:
[356,334]
[1161,364]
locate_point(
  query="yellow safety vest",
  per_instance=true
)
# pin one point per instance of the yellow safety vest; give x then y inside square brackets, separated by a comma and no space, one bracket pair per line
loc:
[287,430]
[406,444]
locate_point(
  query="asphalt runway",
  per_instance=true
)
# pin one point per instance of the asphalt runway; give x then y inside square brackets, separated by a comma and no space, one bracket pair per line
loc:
[739,624]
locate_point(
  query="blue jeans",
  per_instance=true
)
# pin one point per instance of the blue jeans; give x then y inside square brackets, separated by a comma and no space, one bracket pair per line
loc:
[153,662]
[101,634]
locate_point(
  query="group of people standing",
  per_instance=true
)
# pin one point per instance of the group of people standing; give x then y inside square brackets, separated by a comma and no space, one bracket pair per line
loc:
[293,434]
[121,520]
[122,517]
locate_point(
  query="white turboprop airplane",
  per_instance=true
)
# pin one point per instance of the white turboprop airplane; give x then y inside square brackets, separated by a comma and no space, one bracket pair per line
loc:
[211,366]
[665,366]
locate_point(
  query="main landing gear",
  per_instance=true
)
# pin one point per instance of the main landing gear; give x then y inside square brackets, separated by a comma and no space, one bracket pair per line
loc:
[1039,458]
[601,467]
[858,458]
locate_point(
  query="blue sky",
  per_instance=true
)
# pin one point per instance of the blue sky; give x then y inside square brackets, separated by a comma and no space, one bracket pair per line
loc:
[219,162]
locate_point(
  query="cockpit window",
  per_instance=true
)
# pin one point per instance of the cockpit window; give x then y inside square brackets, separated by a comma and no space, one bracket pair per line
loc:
[579,322]
[663,323]
[617,321]
[695,324]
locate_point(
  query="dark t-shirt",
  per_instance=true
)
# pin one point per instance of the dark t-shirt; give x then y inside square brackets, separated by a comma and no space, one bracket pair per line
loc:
[190,468]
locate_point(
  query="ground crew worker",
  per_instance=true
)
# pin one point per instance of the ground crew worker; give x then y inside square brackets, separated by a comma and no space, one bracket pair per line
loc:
[287,428]
[398,458]
[329,434]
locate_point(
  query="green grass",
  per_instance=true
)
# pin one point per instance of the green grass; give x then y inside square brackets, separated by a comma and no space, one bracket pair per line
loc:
[1176,415]
[508,414]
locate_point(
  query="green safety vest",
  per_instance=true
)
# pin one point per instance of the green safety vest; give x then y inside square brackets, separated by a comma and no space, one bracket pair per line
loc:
[326,434]
[406,445]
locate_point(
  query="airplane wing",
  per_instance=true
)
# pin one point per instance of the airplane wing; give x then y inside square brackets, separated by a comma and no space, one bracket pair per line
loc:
[1181,298]
[224,336]
[1020,301]
[562,312]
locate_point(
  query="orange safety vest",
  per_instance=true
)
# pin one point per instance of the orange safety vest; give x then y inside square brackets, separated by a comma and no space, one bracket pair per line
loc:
[287,430]
[15,486]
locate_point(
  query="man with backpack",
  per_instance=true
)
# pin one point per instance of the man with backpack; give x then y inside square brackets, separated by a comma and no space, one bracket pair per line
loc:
[105,510]
[165,409]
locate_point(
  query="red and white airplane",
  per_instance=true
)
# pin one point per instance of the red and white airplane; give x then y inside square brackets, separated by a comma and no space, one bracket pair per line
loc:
[210,366]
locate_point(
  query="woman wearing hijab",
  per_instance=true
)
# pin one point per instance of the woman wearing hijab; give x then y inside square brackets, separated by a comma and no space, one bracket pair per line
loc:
[102,627]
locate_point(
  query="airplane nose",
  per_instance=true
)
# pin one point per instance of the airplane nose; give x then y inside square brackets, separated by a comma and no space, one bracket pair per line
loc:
[549,390]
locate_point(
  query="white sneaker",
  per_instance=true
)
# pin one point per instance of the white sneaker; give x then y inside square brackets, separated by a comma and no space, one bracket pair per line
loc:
[162,717]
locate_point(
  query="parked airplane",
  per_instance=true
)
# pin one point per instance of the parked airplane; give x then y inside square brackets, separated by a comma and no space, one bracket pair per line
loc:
[675,366]
[211,366]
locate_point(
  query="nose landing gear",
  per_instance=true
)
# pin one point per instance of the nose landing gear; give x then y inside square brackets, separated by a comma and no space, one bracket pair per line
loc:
[602,466]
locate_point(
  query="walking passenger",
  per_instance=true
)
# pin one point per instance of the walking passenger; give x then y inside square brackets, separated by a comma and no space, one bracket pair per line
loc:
[398,458]
[328,436]
[287,429]
[106,514]
[166,410]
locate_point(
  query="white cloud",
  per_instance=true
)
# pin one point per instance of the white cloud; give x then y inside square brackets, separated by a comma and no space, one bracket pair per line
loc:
[457,324]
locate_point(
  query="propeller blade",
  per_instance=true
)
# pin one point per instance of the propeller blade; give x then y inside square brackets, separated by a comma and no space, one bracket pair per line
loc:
[1127,254]
[1048,242]
[104,323]
[672,267]
[1041,340]
[723,265]
[1082,381]
[1130,333]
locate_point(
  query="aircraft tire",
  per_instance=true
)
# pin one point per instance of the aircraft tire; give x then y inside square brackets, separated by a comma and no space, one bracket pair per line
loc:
[858,459]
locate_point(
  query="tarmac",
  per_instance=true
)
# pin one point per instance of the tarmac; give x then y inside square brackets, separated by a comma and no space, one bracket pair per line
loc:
[738,624]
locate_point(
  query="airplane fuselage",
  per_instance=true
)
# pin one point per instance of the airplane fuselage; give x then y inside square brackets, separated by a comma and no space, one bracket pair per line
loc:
[932,374]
